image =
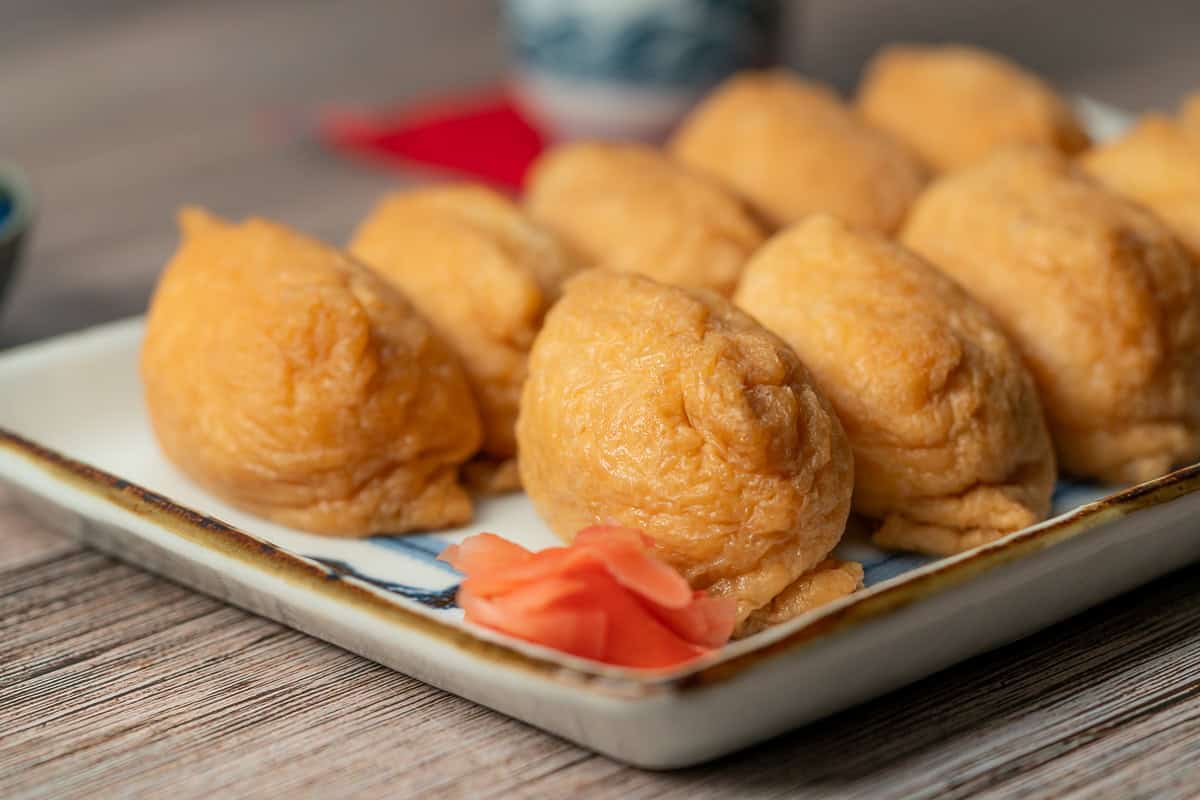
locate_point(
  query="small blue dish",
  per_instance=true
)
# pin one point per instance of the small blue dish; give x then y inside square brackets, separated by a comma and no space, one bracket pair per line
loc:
[16,217]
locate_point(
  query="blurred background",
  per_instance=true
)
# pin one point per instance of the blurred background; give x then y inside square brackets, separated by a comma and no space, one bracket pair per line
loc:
[122,110]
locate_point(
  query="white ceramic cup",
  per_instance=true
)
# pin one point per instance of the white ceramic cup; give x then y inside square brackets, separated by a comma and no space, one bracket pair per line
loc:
[628,69]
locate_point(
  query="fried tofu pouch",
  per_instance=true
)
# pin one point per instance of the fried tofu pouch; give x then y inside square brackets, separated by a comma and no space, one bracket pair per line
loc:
[289,380]
[484,275]
[1157,163]
[791,147]
[1097,294]
[1189,113]
[670,411]
[628,208]
[950,446]
[955,104]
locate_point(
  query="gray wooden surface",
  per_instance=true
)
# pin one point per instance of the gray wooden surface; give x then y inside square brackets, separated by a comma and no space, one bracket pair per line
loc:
[115,683]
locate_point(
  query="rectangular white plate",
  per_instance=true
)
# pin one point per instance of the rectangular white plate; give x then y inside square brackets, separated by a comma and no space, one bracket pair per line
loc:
[75,443]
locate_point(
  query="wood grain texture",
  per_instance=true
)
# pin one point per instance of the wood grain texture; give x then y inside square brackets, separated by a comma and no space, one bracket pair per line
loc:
[115,683]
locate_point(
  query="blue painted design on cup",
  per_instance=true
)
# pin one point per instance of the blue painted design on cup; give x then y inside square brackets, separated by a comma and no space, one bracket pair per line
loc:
[631,66]
[671,43]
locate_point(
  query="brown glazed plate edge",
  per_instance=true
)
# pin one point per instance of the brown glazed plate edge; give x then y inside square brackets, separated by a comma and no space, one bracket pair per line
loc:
[230,541]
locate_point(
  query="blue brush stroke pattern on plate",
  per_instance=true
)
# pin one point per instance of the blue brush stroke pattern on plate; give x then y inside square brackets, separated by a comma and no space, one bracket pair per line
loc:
[420,565]
[424,548]
[432,598]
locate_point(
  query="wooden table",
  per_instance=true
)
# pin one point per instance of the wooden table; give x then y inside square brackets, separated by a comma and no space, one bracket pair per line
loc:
[116,683]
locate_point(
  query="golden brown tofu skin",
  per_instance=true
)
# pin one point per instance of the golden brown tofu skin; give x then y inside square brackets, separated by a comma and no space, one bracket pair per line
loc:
[1157,163]
[484,275]
[669,410]
[950,445]
[955,104]
[1189,113]
[830,580]
[791,147]
[292,382]
[628,208]
[1097,294]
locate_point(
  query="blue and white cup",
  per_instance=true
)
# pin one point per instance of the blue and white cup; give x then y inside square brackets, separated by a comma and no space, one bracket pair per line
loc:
[629,69]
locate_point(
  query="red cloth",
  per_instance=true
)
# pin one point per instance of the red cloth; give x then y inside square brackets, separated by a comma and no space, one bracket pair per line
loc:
[484,137]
